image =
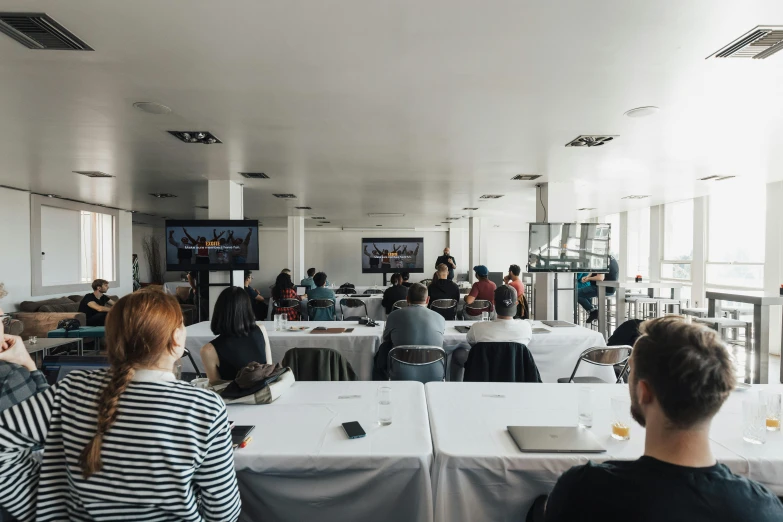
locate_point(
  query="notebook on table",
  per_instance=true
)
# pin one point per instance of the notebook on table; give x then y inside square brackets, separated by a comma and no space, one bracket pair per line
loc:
[541,331]
[557,324]
[462,329]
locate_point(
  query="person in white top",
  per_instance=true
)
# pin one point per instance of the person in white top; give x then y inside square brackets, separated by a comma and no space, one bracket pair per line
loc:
[504,329]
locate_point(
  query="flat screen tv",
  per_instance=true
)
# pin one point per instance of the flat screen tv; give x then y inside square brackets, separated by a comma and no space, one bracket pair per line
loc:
[399,254]
[211,245]
[569,247]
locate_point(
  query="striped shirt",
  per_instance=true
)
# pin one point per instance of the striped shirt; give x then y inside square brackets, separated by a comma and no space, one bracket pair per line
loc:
[167,457]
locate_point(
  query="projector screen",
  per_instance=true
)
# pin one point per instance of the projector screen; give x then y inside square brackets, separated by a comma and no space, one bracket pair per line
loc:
[569,247]
[381,255]
[212,245]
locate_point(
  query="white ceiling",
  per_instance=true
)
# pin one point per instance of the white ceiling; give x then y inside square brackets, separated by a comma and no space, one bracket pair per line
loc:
[391,106]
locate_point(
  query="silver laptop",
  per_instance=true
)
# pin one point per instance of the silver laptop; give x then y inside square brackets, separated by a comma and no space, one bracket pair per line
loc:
[548,439]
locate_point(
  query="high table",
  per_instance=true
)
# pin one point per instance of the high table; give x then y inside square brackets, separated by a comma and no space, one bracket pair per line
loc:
[762,318]
[301,466]
[480,474]
[555,352]
[620,288]
[358,347]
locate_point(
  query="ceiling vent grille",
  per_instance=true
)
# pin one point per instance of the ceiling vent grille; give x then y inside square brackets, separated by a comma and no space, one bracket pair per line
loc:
[633,196]
[285,196]
[39,31]
[162,195]
[586,208]
[254,175]
[470,208]
[759,43]
[589,141]
[93,174]
[203,137]
[318,217]
[303,208]
[491,196]
[525,177]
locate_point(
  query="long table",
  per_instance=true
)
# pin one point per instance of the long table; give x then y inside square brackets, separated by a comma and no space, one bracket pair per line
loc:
[620,288]
[373,303]
[480,474]
[301,466]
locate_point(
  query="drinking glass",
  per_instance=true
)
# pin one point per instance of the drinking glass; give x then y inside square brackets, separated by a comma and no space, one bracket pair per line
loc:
[772,401]
[485,316]
[754,420]
[283,322]
[276,319]
[384,406]
[586,407]
[32,339]
[177,370]
[621,425]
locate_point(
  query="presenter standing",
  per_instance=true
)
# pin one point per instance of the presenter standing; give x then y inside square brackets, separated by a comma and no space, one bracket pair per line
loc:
[447,260]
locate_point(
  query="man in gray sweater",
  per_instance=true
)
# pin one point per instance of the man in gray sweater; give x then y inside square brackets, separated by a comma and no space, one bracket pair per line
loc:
[414,324]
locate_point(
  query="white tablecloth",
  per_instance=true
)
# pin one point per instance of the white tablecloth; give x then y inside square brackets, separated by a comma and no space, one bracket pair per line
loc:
[373,302]
[358,347]
[300,465]
[480,474]
[555,353]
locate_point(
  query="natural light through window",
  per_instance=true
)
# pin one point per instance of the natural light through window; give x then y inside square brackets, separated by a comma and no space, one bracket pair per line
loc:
[614,242]
[97,246]
[638,238]
[677,240]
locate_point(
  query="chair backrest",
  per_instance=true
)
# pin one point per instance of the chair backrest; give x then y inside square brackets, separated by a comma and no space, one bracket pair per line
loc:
[320,303]
[480,305]
[501,362]
[183,292]
[444,303]
[426,282]
[373,291]
[402,303]
[352,302]
[287,303]
[605,356]
[417,363]
[318,364]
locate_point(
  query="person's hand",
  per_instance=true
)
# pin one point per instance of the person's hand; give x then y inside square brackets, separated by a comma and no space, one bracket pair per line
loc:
[12,350]
[584,279]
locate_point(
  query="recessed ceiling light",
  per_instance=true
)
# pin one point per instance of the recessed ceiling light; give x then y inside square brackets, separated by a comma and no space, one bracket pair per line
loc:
[438,225]
[525,177]
[636,196]
[203,207]
[491,196]
[303,208]
[152,107]
[317,217]
[319,225]
[325,222]
[641,112]
[586,208]
[162,195]
[285,196]
[254,175]
[587,140]
[52,196]
[378,225]
[93,173]
[724,177]
[203,137]
[470,208]
[384,215]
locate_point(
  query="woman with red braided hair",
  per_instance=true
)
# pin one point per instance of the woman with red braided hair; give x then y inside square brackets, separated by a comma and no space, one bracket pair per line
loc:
[130,442]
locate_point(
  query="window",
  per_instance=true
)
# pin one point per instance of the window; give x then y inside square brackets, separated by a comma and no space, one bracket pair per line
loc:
[638,238]
[97,247]
[736,237]
[614,240]
[677,240]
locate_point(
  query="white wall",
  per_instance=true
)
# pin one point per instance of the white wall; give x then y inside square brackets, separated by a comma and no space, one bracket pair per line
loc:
[272,258]
[506,248]
[158,232]
[61,231]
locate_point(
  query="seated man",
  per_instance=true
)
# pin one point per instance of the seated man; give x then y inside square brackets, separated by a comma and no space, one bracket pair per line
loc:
[483,289]
[19,378]
[586,293]
[405,277]
[321,292]
[396,292]
[681,374]
[308,281]
[504,329]
[443,288]
[260,308]
[97,304]
[414,324]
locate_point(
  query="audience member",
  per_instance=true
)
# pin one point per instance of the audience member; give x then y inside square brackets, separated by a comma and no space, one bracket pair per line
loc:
[504,329]
[95,462]
[286,271]
[321,292]
[414,324]
[239,340]
[396,292]
[443,288]
[448,260]
[483,289]
[96,304]
[260,308]
[284,289]
[681,374]
[405,277]
[308,281]
[512,279]
[585,294]
[19,377]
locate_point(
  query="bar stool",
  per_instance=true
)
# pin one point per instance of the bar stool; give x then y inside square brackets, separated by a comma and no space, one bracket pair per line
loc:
[695,312]
[665,302]
[647,305]
[728,329]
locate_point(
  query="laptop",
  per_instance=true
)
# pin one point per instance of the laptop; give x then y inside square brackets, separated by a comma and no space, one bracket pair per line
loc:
[302,289]
[557,324]
[547,439]
[56,367]
[462,329]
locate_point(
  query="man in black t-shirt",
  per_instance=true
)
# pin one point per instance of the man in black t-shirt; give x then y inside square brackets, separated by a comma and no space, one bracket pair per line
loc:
[396,292]
[97,304]
[680,376]
[447,260]
[443,288]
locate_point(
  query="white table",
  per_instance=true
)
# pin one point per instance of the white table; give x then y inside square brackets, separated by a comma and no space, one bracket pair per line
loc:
[555,353]
[480,474]
[170,287]
[373,302]
[358,347]
[301,466]
[620,288]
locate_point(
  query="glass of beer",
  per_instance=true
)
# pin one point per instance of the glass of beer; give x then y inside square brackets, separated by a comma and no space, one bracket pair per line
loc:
[773,401]
[621,413]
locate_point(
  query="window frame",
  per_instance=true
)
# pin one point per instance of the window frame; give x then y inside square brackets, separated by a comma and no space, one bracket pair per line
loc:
[665,261]
[36,275]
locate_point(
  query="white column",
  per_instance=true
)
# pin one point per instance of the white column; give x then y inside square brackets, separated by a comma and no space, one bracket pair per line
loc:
[458,244]
[773,260]
[225,202]
[699,262]
[296,248]
[656,244]
[477,246]
[625,272]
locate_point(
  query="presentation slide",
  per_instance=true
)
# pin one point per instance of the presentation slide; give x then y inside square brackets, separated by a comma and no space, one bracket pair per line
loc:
[381,255]
[211,245]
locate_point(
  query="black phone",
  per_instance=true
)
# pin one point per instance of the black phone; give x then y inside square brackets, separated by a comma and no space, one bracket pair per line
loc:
[240,433]
[353,430]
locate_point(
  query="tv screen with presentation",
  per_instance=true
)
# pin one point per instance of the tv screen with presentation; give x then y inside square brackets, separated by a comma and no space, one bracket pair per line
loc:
[381,255]
[569,247]
[211,245]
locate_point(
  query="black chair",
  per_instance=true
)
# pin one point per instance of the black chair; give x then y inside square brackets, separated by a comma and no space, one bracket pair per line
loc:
[601,356]
[445,307]
[417,363]
[345,290]
[426,282]
[501,362]
[372,291]
[316,305]
[285,304]
[402,303]
[352,302]
[318,364]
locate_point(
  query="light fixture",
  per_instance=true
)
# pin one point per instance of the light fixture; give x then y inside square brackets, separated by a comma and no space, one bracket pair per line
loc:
[636,196]
[319,225]
[325,222]
[285,196]
[641,112]
[525,177]
[724,177]
[202,207]
[133,211]
[438,225]
[254,175]
[317,217]
[715,177]
[586,208]
[491,196]
[303,208]
[152,107]
[203,137]
[590,140]
[384,215]
[162,195]
[470,208]
[93,173]
[52,196]
[495,226]
[378,225]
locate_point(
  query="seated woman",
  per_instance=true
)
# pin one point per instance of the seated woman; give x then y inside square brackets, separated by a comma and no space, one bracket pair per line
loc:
[114,439]
[284,289]
[239,340]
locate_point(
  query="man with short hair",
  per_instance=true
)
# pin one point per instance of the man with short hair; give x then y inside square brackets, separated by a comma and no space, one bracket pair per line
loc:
[396,292]
[97,304]
[443,288]
[308,281]
[482,290]
[321,292]
[414,324]
[585,294]
[260,308]
[512,279]
[448,260]
[681,374]
[405,277]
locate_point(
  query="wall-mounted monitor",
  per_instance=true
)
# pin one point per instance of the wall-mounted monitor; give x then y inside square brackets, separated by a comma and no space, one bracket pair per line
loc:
[569,247]
[388,255]
[212,245]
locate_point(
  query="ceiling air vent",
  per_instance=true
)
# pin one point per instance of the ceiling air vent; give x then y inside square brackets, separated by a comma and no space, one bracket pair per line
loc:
[93,174]
[285,196]
[203,137]
[586,208]
[254,175]
[491,196]
[470,208]
[633,196]
[589,141]
[40,31]
[162,195]
[525,177]
[303,208]
[318,217]
[758,43]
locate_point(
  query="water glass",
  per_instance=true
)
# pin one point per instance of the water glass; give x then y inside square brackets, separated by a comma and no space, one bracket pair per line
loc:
[384,406]
[621,412]
[32,339]
[283,322]
[585,408]
[772,400]
[485,316]
[177,370]
[276,319]
[754,420]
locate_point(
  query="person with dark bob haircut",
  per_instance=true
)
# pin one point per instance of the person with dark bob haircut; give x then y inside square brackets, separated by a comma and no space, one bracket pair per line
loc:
[284,289]
[239,340]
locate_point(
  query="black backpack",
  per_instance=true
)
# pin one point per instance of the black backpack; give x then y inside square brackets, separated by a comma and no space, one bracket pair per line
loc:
[68,325]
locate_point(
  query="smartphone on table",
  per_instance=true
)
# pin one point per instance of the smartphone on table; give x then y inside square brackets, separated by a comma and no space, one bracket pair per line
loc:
[353,430]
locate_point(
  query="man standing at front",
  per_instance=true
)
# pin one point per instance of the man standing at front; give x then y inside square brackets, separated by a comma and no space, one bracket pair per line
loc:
[97,304]
[414,324]
[447,260]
